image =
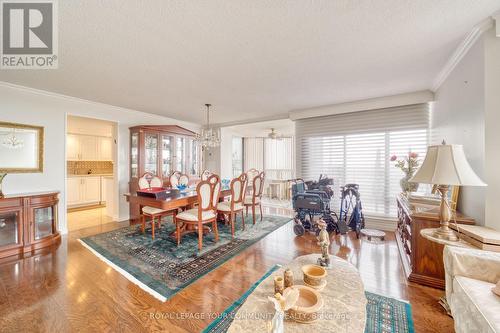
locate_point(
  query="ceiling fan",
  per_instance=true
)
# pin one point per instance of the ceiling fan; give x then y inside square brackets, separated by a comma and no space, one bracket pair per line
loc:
[274,135]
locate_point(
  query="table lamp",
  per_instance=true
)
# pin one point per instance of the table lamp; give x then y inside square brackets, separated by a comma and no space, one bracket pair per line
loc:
[446,165]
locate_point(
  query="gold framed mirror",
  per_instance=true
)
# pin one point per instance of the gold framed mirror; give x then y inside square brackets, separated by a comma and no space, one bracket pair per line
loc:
[21,148]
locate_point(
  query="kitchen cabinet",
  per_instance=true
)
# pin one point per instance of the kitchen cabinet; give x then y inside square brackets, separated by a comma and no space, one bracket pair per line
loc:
[89,148]
[84,190]
[105,148]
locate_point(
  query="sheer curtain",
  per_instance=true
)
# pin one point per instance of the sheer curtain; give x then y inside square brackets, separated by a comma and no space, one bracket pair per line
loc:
[253,152]
[356,148]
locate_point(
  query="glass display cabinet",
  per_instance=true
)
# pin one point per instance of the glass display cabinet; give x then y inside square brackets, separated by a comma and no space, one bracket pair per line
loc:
[28,222]
[161,150]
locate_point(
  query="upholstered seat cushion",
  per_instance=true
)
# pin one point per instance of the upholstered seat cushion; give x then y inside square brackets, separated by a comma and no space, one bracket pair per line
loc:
[226,206]
[248,200]
[474,307]
[192,215]
[152,210]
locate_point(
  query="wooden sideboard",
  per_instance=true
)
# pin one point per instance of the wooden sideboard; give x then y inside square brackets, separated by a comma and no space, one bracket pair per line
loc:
[28,222]
[422,259]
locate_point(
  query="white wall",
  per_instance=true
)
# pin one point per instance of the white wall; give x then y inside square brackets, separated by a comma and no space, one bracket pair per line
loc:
[29,106]
[467,112]
[492,127]
[458,117]
[220,159]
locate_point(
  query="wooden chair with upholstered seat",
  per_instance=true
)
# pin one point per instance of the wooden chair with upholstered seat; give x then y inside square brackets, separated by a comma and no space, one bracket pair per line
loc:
[208,196]
[251,174]
[255,198]
[206,174]
[149,180]
[178,178]
[235,204]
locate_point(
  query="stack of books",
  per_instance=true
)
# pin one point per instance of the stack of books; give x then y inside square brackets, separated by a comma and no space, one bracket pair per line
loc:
[481,237]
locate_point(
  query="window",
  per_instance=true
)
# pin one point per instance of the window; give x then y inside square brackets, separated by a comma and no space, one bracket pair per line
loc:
[237,156]
[278,158]
[356,148]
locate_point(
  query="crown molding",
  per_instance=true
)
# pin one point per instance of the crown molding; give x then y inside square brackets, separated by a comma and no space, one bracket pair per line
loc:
[416,97]
[461,51]
[85,101]
[252,120]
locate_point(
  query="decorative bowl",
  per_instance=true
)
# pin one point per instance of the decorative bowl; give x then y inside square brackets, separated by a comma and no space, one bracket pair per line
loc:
[181,187]
[307,307]
[314,275]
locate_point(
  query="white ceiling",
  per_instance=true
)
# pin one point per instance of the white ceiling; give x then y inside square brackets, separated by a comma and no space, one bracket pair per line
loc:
[250,59]
[283,127]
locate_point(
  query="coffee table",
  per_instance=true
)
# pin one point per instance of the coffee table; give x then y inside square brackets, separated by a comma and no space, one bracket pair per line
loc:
[344,298]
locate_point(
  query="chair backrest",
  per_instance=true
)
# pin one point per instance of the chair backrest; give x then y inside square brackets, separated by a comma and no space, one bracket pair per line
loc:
[205,174]
[174,178]
[156,182]
[184,179]
[251,174]
[238,187]
[258,185]
[208,195]
[145,180]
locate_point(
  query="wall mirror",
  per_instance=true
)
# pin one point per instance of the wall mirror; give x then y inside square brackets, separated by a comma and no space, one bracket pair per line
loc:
[21,148]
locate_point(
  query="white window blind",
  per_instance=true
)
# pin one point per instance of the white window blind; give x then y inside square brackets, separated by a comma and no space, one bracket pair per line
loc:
[274,156]
[356,148]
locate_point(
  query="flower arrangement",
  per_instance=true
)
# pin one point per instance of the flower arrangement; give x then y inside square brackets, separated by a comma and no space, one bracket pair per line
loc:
[408,164]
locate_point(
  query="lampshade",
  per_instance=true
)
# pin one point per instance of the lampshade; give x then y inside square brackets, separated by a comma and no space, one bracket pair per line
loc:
[446,165]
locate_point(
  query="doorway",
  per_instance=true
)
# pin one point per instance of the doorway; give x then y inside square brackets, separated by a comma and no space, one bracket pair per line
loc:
[91,172]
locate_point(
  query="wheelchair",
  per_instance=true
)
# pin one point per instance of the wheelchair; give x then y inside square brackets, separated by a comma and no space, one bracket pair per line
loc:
[311,200]
[351,210]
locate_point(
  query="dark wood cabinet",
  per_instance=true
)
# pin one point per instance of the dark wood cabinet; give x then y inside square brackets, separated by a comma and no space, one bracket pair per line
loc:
[161,150]
[28,222]
[422,259]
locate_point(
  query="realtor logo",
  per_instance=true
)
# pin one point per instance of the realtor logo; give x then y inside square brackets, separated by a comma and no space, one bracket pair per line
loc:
[29,34]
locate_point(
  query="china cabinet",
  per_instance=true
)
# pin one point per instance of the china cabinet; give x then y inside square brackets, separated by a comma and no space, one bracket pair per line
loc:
[160,150]
[28,222]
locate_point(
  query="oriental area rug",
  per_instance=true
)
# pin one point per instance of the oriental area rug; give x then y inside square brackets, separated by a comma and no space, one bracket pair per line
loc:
[162,268]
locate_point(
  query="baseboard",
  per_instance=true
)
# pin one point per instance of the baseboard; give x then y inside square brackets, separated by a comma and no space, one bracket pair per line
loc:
[380,223]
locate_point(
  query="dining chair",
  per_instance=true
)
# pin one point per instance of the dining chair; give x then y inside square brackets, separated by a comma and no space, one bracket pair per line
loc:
[174,178]
[205,174]
[149,180]
[255,199]
[235,204]
[184,179]
[251,174]
[208,192]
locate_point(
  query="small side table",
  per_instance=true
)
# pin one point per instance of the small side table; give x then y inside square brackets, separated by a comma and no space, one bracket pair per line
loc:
[428,234]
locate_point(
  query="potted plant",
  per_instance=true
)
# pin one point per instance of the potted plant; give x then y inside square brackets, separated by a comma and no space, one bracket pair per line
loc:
[408,164]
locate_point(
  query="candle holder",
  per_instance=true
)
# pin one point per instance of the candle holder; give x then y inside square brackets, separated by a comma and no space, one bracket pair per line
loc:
[279,285]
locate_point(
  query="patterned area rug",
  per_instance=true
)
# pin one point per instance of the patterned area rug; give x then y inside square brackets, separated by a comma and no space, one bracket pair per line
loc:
[162,268]
[387,315]
[383,314]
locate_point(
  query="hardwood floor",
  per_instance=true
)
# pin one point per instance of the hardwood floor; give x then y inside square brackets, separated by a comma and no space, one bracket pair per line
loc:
[68,289]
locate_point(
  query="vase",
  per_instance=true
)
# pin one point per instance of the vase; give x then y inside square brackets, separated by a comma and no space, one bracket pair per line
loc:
[2,176]
[407,186]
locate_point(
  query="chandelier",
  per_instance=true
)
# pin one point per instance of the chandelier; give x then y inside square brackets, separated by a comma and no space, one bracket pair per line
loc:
[12,142]
[209,137]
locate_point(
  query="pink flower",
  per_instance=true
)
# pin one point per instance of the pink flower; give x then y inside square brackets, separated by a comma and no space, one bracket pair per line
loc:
[413,155]
[393,158]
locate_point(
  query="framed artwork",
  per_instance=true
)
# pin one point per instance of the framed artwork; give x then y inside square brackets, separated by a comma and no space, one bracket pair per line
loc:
[21,148]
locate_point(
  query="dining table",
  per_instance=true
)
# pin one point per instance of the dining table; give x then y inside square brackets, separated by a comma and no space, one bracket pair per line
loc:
[180,199]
